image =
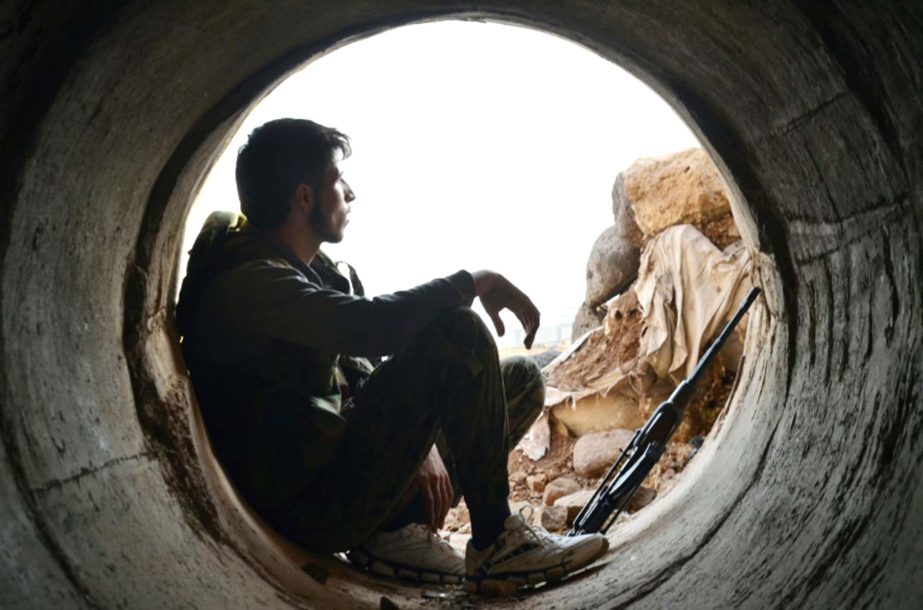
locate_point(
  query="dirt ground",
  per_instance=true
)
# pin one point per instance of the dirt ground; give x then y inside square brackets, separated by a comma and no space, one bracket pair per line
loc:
[558,462]
[702,412]
[619,343]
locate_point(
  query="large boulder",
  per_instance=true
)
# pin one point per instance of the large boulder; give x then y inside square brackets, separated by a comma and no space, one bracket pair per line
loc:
[598,413]
[554,518]
[611,268]
[586,320]
[680,188]
[560,487]
[595,453]
[624,215]
[574,503]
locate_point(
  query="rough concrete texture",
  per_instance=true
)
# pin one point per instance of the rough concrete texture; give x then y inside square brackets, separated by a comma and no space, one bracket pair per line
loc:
[809,496]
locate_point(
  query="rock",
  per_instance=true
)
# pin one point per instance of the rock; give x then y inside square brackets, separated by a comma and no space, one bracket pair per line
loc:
[524,508]
[560,487]
[572,503]
[723,232]
[534,445]
[624,215]
[518,478]
[554,518]
[587,319]
[536,483]
[641,498]
[457,517]
[681,188]
[558,428]
[594,453]
[597,413]
[611,268]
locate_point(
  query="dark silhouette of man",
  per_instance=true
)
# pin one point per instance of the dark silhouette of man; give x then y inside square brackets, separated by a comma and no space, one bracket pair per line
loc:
[335,452]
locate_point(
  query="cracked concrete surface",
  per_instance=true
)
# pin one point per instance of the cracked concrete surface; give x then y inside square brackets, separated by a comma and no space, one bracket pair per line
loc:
[808,495]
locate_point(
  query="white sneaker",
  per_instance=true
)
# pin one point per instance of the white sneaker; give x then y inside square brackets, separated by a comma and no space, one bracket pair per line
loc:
[522,555]
[412,553]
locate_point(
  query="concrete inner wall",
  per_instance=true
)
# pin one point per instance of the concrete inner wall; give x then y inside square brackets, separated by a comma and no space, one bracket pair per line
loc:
[810,491]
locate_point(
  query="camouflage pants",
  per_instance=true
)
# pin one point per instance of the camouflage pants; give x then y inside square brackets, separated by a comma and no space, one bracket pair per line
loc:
[447,384]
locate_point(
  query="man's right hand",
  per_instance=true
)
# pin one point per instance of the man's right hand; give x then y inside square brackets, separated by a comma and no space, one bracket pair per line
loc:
[498,293]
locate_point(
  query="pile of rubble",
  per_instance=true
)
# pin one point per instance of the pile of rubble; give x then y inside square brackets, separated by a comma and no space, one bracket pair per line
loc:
[661,283]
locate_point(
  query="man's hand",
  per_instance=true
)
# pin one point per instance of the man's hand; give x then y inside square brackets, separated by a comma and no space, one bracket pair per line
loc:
[436,489]
[498,293]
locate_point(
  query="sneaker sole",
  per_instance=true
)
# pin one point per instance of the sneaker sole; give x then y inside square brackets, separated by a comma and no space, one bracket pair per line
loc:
[507,583]
[390,569]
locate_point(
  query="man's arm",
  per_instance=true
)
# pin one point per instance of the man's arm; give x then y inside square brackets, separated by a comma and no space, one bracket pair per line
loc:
[278,302]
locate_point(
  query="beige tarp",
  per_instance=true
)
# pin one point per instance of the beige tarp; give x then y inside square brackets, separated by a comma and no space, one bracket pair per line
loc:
[687,289]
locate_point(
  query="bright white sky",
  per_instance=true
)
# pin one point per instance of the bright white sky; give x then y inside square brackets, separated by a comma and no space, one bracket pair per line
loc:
[474,146]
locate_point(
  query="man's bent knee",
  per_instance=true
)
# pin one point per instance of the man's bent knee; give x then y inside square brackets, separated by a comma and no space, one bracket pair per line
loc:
[522,370]
[525,392]
[462,326]
[459,336]
[461,320]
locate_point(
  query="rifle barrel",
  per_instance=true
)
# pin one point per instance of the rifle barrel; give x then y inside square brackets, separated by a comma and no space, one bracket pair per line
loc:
[647,445]
[716,345]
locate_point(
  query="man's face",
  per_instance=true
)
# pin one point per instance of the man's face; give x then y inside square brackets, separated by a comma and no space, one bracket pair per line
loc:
[331,209]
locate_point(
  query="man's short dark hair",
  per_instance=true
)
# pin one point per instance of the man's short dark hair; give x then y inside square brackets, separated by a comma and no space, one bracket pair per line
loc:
[278,156]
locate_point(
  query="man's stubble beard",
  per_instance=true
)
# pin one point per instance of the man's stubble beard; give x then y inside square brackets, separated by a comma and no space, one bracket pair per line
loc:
[326,234]
[316,220]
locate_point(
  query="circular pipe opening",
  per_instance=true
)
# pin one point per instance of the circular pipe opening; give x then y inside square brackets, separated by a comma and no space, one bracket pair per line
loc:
[256,533]
[820,146]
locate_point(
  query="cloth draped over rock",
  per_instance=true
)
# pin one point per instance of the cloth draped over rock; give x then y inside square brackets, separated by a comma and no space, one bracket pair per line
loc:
[687,289]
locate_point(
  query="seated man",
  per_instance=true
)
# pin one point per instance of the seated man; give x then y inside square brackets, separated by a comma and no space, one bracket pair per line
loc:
[336,454]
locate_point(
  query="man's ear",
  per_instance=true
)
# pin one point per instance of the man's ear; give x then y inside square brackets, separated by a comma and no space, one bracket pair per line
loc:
[304,198]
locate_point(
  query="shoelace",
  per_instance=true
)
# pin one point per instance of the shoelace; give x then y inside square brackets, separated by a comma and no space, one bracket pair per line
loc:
[539,536]
[432,538]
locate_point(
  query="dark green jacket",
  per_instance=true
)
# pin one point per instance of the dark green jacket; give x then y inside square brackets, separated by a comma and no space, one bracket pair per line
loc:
[262,337]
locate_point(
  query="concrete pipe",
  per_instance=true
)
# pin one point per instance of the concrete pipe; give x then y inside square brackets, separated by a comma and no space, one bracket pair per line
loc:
[111,112]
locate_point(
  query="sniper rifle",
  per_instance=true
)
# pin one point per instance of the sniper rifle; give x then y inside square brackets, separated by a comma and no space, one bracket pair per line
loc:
[648,444]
